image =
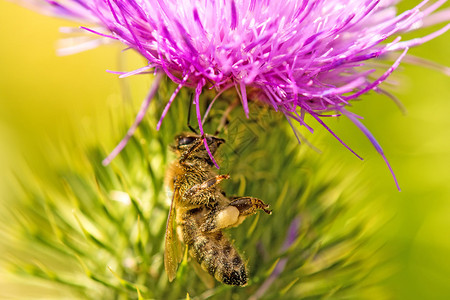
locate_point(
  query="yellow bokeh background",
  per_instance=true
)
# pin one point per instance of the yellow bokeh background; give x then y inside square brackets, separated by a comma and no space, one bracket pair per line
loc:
[44,97]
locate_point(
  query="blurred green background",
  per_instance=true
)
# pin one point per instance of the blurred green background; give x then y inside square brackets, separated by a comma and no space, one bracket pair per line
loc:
[45,97]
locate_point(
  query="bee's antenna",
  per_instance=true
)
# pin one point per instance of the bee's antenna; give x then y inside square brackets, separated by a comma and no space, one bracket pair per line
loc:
[189,115]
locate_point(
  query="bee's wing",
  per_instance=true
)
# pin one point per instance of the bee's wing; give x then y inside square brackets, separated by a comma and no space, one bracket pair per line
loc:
[171,246]
[207,279]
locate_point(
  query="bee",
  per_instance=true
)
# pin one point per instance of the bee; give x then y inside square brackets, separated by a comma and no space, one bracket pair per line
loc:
[200,211]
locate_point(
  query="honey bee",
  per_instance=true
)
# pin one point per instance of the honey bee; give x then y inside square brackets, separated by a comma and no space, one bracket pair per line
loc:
[200,211]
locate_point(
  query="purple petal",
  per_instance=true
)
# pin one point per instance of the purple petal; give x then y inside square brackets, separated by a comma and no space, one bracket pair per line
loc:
[372,140]
[137,121]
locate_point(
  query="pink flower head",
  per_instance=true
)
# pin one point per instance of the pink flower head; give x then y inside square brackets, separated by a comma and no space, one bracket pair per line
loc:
[303,57]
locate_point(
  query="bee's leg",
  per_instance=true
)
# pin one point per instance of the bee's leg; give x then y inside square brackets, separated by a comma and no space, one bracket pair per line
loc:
[233,214]
[249,205]
[204,186]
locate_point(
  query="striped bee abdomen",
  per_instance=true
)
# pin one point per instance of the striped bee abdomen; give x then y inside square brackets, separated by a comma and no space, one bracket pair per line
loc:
[215,253]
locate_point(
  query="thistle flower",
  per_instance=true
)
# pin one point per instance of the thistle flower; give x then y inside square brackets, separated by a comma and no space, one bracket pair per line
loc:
[300,57]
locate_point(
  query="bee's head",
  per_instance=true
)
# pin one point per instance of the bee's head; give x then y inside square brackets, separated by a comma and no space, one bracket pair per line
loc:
[193,145]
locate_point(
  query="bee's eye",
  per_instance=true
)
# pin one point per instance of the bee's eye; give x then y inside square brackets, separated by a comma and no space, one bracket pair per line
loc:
[186,140]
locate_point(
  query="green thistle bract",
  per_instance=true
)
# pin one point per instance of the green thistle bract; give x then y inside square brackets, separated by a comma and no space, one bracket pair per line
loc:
[82,230]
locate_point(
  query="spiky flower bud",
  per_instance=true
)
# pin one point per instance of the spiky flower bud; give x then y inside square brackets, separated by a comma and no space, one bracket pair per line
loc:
[78,229]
